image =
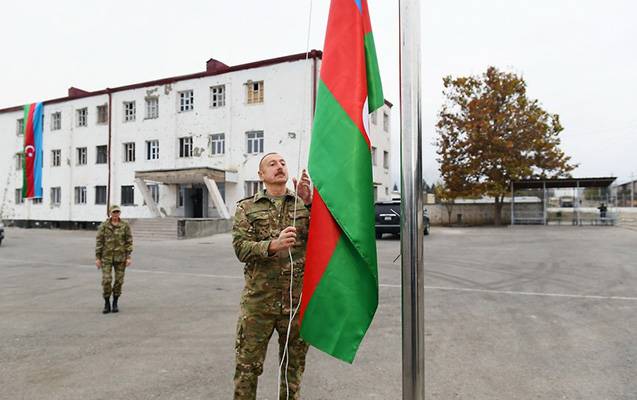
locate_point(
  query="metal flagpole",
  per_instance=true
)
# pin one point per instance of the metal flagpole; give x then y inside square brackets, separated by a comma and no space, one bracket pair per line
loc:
[411,239]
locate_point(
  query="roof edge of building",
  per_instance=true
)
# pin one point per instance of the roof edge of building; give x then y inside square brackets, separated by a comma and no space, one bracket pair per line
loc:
[312,54]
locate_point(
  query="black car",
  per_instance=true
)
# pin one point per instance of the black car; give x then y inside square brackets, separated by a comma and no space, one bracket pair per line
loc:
[388,218]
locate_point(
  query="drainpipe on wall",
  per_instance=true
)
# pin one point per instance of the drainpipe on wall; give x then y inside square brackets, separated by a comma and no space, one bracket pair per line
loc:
[110,114]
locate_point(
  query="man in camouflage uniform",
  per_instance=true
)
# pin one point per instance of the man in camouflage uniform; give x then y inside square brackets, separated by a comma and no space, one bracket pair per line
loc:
[263,233]
[113,248]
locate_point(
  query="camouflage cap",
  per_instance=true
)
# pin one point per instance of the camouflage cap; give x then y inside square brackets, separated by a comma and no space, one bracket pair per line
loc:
[114,207]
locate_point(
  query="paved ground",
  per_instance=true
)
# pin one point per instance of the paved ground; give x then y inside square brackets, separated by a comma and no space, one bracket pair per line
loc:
[523,313]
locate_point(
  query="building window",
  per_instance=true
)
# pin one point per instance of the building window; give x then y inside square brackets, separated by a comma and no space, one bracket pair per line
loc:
[102,114]
[56,121]
[255,92]
[374,118]
[152,107]
[128,195]
[56,196]
[101,154]
[186,100]
[374,156]
[154,192]
[152,149]
[218,96]
[252,187]
[36,200]
[100,194]
[375,193]
[81,155]
[80,195]
[82,116]
[56,158]
[385,122]
[18,196]
[386,191]
[129,152]
[254,142]
[19,126]
[386,159]
[129,111]
[19,161]
[217,144]
[185,147]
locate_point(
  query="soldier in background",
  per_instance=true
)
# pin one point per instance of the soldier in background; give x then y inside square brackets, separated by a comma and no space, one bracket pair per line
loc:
[263,232]
[113,248]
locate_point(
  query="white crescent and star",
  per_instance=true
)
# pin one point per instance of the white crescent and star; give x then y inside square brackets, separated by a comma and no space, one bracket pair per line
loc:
[29,150]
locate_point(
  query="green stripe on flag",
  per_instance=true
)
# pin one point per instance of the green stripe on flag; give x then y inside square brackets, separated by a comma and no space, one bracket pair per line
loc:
[374,87]
[340,166]
[343,304]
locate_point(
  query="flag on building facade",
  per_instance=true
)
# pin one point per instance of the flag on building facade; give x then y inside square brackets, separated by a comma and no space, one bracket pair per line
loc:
[32,151]
[340,288]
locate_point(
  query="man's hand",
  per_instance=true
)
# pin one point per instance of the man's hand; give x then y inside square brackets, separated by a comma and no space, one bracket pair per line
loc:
[286,239]
[98,263]
[128,261]
[302,188]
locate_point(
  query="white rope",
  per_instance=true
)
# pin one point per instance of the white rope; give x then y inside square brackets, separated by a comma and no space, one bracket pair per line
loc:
[285,357]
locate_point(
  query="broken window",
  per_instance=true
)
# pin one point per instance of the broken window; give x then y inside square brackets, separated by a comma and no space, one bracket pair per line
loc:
[186,100]
[255,92]
[254,142]
[128,195]
[374,156]
[56,196]
[100,194]
[152,149]
[102,114]
[386,159]
[185,147]
[152,107]
[101,154]
[18,196]
[129,152]
[56,158]
[19,161]
[82,116]
[56,121]
[81,155]
[80,194]
[19,126]
[385,122]
[252,187]
[217,144]
[129,111]
[218,96]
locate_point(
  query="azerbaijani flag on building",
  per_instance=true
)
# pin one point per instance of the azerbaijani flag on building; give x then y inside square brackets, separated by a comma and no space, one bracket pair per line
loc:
[340,288]
[32,164]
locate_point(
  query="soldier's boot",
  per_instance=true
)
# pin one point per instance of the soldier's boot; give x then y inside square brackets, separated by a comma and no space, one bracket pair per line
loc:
[107,306]
[115,308]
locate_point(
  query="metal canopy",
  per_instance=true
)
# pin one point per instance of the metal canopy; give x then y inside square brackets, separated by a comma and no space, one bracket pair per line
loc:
[183,175]
[562,183]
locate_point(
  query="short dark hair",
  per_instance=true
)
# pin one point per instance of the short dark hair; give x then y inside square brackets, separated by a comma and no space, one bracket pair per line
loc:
[263,158]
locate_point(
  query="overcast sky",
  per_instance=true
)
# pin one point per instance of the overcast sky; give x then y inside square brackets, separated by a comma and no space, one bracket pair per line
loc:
[579,58]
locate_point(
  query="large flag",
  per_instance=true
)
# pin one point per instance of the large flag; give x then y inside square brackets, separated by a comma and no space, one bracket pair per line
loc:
[340,288]
[32,164]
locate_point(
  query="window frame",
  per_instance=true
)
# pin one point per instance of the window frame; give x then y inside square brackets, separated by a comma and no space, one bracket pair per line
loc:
[215,141]
[152,107]
[186,104]
[80,195]
[259,138]
[100,196]
[81,116]
[102,114]
[56,121]
[130,152]
[218,99]
[152,152]
[183,146]
[123,191]
[81,156]
[255,96]
[130,111]
[56,195]
[105,154]
[56,158]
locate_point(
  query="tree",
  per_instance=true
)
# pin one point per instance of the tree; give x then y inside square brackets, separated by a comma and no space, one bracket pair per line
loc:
[491,133]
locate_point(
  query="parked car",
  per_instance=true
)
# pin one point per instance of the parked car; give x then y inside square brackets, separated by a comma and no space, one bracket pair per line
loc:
[1,232]
[388,218]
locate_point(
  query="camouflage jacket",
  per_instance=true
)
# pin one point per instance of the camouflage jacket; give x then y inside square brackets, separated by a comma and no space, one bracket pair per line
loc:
[113,242]
[257,221]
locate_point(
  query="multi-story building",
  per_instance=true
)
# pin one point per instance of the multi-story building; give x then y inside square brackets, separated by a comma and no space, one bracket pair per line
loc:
[185,146]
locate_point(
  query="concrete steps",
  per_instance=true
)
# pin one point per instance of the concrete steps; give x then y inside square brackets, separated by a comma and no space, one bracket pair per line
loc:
[154,228]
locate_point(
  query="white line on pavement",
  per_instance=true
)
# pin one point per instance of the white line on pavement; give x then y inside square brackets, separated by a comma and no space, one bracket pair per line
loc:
[442,288]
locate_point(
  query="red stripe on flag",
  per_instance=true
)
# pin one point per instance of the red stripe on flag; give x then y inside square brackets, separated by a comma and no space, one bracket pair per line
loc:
[29,152]
[343,68]
[322,240]
[367,24]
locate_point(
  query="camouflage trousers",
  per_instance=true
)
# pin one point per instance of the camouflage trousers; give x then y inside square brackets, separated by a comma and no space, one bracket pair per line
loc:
[108,286]
[253,334]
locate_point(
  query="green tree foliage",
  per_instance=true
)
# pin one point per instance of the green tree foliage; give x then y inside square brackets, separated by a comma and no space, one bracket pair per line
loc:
[491,133]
